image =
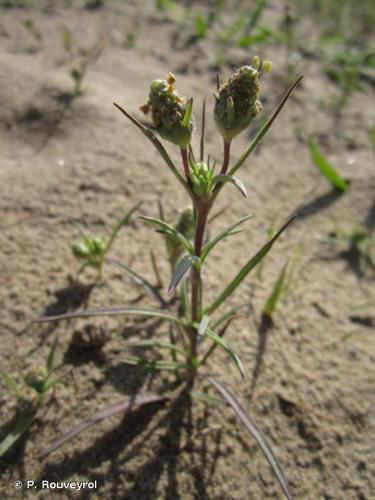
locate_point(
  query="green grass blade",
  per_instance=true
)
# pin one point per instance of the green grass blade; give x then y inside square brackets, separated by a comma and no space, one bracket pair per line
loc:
[255,16]
[152,364]
[245,270]
[251,426]
[51,383]
[146,285]
[10,382]
[277,290]
[228,231]
[232,312]
[373,136]
[108,311]
[326,168]
[201,396]
[51,356]
[264,129]
[170,231]
[221,343]
[157,144]
[203,131]
[127,404]
[182,268]
[20,428]
[156,343]
[122,222]
[223,178]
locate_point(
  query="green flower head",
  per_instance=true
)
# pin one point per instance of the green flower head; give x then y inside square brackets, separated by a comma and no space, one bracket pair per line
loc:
[170,111]
[236,102]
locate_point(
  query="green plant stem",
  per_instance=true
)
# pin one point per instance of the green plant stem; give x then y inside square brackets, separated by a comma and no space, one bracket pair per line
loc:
[185,162]
[225,165]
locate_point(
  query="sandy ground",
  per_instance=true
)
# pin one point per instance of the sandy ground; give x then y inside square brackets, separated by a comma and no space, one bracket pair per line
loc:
[64,158]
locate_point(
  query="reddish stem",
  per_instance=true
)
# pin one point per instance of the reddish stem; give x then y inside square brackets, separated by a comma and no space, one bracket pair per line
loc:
[225,165]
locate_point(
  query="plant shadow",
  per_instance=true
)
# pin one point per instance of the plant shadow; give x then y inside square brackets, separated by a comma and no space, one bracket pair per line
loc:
[319,203]
[265,325]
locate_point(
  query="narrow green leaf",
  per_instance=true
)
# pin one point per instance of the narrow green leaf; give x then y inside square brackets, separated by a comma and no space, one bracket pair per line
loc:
[21,426]
[228,315]
[264,129]
[154,364]
[156,343]
[146,285]
[255,16]
[51,356]
[373,136]
[188,113]
[254,430]
[221,343]
[200,25]
[203,131]
[182,267]
[127,404]
[108,311]
[51,383]
[201,396]
[10,382]
[228,231]
[276,292]
[203,326]
[170,231]
[245,270]
[157,144]
[326,168]
[122,222]
[233,180]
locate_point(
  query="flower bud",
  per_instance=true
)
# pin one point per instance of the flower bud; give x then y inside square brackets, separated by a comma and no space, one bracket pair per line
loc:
[237,100]
[80,250]
[168,111]
[201,176]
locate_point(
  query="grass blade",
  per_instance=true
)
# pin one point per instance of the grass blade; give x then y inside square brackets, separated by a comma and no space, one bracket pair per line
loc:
[201,396]
[156,343]
[203,131]
[10,382]
[187,117]
[276,292]
[152,364]
[245,270]
[21,426]
[146,285]
[326,168]
[262,132]
[122,222]
[158,145]
[108,311]
[221,343]
[228,231]
[121,406]
[233,180]
[181,269]
[255,432]
[228,315]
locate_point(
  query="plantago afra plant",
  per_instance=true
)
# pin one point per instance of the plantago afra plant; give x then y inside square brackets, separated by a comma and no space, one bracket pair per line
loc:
[92,250]
[197,328]
[31,394]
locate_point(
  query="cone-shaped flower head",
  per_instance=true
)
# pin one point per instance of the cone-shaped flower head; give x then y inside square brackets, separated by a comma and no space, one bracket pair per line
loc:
[201,176]
[171,113]
[237,100]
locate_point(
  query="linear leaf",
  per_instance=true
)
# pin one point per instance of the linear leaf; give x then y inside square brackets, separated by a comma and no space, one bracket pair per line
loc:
[229,314]
[156,343]
[221,343]
[51,383]
[121,406]
[154,364]
[203,326]
[23,423]
[201,396]
[262,132]
[181,269]
[109,311]
[276,292]
[122,222]
[51,356]
[187,117]
[158,145]
[251,426]
[150,289]
[223,178]
[10,382]
[170,231]
[326,168]
[228,231]
[246,269]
